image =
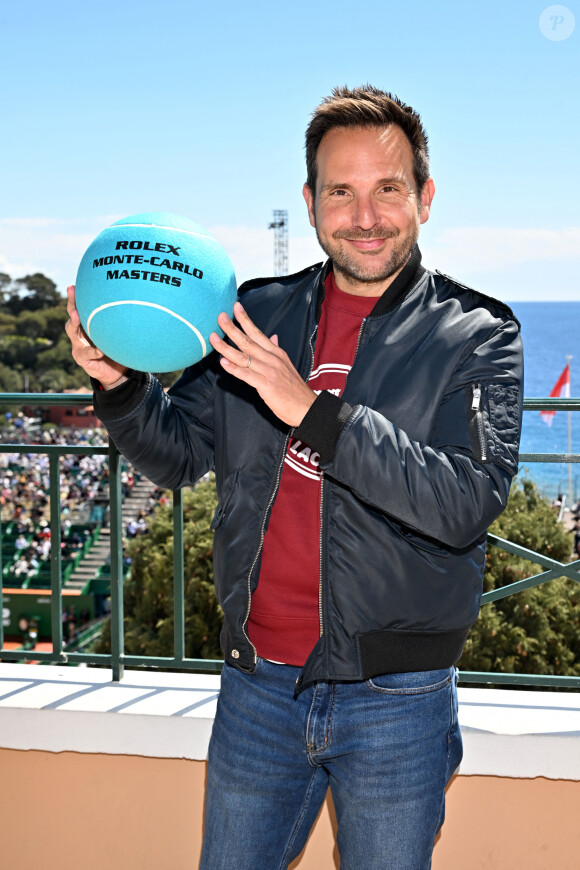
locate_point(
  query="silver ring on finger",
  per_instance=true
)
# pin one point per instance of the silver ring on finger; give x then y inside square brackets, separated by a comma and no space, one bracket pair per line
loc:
[249,361]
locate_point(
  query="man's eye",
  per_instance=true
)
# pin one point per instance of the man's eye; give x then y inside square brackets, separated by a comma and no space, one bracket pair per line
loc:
[338,193]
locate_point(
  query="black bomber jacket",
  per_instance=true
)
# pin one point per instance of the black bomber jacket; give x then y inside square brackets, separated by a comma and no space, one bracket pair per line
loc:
[417,458]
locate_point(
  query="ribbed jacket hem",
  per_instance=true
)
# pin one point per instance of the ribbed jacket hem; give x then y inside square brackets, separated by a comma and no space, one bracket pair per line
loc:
[398,652]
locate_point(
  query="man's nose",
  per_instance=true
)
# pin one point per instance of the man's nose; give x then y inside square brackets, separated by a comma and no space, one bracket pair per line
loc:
[365,213]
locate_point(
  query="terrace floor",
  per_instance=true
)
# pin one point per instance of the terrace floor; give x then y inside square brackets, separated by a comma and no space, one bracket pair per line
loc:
[122,770]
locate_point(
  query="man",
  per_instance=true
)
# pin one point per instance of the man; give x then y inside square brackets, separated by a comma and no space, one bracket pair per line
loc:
[363,420]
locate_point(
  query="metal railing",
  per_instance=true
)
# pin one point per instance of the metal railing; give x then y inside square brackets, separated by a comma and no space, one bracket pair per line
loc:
[118,659]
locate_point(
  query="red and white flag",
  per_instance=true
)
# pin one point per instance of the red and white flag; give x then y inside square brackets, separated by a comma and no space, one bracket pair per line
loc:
[561,391]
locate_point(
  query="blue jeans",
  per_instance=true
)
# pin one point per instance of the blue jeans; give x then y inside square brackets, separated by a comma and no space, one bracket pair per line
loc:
[386,747]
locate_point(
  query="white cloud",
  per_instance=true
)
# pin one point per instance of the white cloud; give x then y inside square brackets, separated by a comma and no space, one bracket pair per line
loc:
[508,262]
[493,258]
[53,246]
[486,249]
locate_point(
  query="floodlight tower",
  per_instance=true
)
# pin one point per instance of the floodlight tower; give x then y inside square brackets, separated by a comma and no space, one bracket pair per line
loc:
[280,227]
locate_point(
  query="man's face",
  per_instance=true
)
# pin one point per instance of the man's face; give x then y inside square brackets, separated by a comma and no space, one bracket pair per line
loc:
[366,209]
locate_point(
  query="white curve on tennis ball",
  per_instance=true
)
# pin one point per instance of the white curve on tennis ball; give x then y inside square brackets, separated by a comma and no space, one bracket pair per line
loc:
[149,305]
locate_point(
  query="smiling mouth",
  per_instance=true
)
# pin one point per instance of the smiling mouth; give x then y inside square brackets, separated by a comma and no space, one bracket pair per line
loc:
[367,244]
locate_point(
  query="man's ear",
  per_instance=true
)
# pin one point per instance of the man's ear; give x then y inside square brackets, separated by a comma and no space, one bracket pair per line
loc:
[309,199]
[427,195]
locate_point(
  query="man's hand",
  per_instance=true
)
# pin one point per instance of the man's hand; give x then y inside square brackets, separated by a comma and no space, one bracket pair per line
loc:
[109,373]
[259,362]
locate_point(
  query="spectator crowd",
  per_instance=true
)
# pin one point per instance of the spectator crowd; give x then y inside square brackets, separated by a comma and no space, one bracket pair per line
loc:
[84,494]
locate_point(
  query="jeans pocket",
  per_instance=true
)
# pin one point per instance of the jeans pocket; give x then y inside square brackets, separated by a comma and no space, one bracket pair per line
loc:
[413,683]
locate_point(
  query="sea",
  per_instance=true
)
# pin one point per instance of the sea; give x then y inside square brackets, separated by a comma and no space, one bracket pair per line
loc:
[550,332]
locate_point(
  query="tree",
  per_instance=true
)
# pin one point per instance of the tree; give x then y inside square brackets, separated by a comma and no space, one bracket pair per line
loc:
[20,351]
[148,593]
[35,353]
[8,324]
[5,282]
[10,379]
[536,631]
[41,293]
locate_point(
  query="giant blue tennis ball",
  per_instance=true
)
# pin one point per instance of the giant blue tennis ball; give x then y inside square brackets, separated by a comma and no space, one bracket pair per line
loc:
[149,290]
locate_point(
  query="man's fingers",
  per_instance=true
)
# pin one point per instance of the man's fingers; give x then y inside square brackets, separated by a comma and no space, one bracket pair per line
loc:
[237,335]
[240,363]
[76,333]
[86,343]
[76,330]
[247,333]
[73,314]
[247,323]
[71,306]
[234,354]
[242,372]
[252,356]
[84,352]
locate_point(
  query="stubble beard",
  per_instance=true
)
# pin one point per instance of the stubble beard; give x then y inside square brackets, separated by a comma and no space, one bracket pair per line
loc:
[369,272]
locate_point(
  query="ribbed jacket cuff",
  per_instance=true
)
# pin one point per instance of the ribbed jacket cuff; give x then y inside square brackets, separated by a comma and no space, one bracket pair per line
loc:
[113,404]
[323,423]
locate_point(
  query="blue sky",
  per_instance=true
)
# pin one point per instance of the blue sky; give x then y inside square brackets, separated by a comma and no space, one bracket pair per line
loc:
[111,108]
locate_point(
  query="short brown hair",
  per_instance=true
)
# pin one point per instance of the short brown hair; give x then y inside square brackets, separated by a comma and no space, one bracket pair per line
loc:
[366,106]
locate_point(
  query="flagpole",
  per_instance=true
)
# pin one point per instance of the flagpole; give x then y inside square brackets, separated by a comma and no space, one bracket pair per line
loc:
[569,357]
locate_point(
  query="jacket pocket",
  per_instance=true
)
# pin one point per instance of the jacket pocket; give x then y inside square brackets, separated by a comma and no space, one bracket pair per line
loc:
[493,412]
[504,418]
[228,488]
[476,401]
[428,545]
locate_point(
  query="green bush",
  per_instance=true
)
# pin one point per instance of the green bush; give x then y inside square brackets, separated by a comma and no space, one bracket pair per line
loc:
[148,593]
[536,631]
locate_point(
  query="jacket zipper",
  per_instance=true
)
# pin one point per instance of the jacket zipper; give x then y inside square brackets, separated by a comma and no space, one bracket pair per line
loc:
[360,332]
[321,559]
[320,618]
[259,550]
[476,406]
[267,511]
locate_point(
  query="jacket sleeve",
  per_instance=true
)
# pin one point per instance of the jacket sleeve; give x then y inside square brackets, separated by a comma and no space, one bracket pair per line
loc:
[167,436]
[453,487]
